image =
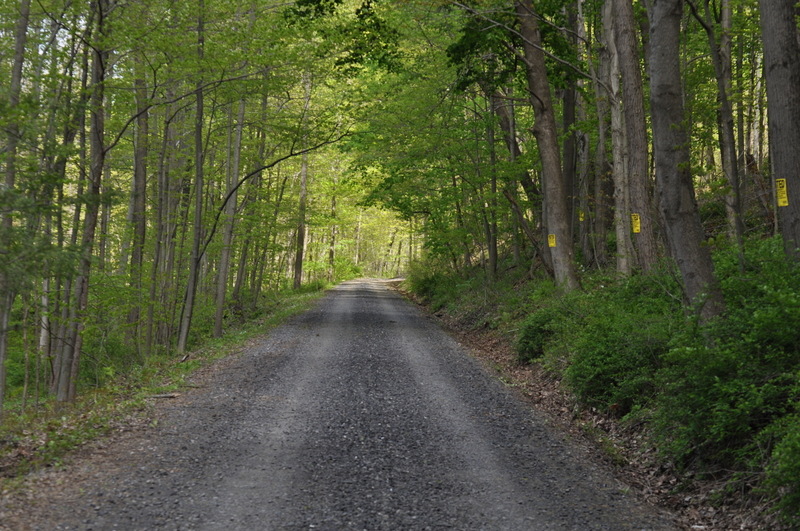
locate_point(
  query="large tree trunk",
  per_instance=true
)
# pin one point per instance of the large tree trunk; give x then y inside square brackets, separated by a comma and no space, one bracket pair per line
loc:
[627,46]
[619,151]
[674,185]
[782,68]
[546,133]
[603,187]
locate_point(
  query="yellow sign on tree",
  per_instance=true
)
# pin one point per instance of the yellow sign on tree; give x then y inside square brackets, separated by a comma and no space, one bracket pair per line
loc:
[636,223]
[782,191]
[551,240]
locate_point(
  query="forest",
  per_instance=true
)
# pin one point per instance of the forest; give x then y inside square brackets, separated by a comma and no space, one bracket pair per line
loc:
[613,184]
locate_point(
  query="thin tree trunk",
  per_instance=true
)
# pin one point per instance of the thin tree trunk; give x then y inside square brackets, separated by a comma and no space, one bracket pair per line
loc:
[7,290]
[197,232]
[720,47]
[332,241]
[70,365]
[301,209]
[138,202]
[230,214]
[300,239]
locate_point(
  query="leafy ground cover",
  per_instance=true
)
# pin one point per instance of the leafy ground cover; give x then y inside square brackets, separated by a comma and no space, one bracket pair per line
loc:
[710,410]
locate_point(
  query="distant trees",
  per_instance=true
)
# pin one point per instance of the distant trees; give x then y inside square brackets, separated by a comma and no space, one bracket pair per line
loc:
[151,158]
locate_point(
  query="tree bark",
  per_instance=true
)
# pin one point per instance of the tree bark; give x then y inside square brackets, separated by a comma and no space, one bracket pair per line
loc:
[635,135]
[674,184]
[720,48]
[7,290]
[138,202]
[70,363]
[300,239]
[782,69]
[227,235]
[197,232]
[619,151]
[546,132]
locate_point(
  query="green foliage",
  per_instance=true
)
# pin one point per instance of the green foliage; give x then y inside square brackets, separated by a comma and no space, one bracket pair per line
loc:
[43,435]
[537,329]
[783,471]
[724,384]
[718,399]
[434,287]
[619,340]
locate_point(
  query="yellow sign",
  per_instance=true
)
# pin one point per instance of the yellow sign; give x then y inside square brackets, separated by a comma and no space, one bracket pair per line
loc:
[551,240]
[782,191]
[636,223]
[581,216]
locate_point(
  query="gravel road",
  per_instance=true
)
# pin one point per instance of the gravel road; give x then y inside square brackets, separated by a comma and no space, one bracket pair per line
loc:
[360,414]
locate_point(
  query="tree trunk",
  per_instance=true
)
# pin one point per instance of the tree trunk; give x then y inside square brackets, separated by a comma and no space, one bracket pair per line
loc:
[300,239]
[197,232]
[546,133]
[603,188]
[227,235]
[720,47]
[619,151]
[782,72]
[7,290]
[70,363]
[627,47]
[674,185]
[332,241]
[138,202]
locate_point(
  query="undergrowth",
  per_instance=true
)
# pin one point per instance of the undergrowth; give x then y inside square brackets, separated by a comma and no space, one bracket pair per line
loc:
[719,401]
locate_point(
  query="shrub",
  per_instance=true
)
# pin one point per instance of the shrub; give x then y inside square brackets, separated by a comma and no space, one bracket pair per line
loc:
[535,331]
[617,347]
[728,388]
[783,471]
[434,287]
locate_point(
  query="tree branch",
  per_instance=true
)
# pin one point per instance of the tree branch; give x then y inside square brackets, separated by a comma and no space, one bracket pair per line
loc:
[292,153]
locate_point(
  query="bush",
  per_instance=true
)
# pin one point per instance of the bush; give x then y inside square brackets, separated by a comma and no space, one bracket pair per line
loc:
[728,390]
[434,287]
[783,471]
[617,350]
[535,331]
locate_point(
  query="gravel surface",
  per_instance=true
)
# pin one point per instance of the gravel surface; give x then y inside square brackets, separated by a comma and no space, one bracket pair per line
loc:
[360,414]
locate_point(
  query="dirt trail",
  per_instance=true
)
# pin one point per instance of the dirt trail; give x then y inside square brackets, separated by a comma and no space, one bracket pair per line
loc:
[360,414]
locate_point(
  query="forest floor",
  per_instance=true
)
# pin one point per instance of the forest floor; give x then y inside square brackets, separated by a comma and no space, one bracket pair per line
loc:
[359,414]
[697,503]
